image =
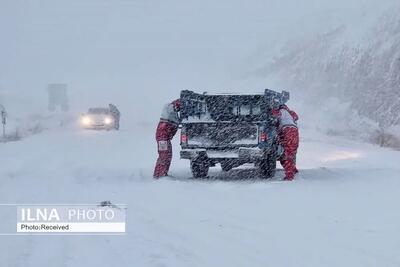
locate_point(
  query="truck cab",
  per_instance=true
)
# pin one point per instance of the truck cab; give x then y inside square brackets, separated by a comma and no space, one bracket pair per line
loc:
[230,130]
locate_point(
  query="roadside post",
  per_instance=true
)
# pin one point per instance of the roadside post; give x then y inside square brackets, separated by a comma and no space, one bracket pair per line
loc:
[3,119]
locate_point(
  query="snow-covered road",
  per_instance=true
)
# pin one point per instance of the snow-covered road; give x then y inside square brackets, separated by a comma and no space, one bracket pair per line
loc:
[341,211]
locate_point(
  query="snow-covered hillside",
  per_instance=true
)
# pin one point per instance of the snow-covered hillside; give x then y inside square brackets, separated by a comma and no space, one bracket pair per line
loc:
[341,211]
[351,71]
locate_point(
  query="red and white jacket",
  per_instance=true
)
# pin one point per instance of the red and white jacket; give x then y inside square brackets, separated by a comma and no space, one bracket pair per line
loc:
[285,117]
[170,112]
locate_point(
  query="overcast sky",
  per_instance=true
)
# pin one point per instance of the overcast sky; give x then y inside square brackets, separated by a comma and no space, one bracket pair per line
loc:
[141,52]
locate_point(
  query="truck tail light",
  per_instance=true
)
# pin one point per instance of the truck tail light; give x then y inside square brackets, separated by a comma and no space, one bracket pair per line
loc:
[184,138]
[263,137]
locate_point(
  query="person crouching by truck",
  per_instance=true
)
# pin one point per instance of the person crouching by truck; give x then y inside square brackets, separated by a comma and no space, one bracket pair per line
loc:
[288,135]
[166,130]
[116,115]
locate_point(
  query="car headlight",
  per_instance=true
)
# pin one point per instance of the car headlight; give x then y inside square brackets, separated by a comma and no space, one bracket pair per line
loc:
[108,120]
[86,121]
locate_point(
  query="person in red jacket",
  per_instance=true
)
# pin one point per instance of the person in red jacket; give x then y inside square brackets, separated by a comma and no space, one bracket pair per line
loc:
[166,130]
[288,135]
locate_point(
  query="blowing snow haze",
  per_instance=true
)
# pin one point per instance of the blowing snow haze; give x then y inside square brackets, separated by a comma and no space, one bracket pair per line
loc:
[140,54]
[224,180]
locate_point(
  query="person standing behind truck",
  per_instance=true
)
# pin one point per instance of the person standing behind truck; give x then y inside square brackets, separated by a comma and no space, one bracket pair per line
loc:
[288,135]
[166,130]
[116,115]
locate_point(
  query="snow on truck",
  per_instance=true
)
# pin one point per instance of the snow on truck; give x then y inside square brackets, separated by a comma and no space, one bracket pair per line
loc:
[230,129]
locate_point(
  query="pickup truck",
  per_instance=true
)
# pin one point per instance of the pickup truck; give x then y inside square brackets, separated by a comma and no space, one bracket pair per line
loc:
[230,130]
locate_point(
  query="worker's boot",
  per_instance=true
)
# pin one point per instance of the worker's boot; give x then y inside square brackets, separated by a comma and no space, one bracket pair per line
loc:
[288,179]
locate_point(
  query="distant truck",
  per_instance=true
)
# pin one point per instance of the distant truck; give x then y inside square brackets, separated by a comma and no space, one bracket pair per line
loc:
[230,129]
[57,93]
[98,119]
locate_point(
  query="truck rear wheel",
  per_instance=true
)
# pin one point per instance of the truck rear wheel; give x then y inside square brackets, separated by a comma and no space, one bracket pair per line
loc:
[199,168]
[267,166]
[226,165]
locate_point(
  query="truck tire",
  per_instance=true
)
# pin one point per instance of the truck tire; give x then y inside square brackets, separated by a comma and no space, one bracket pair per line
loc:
[199,168]
[267,166]
[226,166]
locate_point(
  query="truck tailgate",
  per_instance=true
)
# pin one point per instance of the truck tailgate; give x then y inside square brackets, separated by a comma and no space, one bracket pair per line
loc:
[220,135]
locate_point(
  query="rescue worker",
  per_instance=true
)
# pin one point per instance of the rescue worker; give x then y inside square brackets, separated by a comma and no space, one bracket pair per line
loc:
[166,130]
[288,135]
[116,115]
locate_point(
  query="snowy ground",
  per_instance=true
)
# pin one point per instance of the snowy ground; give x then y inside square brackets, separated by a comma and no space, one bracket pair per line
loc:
[341,211]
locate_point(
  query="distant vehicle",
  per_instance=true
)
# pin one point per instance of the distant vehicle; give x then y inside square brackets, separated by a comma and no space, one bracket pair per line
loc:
[230,129]
[58,97]
[98,119]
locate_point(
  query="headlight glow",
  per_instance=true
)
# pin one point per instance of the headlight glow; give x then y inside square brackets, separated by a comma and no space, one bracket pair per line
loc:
[86,121]
[108,120]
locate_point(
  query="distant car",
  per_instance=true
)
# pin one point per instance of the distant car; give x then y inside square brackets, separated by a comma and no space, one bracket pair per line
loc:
[98,119]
